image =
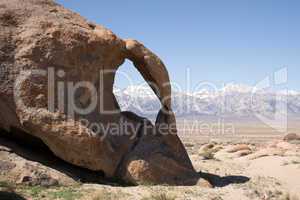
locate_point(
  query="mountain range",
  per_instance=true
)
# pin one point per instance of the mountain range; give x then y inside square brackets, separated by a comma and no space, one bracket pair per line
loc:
[233,100]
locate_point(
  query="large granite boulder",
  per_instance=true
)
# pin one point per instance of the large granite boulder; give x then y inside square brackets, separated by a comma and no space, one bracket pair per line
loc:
[56,83]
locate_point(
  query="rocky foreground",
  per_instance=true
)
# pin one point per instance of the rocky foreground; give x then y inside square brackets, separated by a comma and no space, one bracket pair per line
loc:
[248,170]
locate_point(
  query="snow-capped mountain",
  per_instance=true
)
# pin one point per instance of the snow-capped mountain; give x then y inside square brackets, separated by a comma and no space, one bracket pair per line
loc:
[231,100]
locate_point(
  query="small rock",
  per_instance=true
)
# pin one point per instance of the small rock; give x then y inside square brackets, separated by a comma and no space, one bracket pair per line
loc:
[217,148]
[242,153]
[291,136]
[38,180]
[222,155]
[266,152]
[238,147]
[6,165]
[207,151]
[206,147]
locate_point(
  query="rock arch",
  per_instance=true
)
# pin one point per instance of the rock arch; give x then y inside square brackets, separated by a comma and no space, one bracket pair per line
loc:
[42,34]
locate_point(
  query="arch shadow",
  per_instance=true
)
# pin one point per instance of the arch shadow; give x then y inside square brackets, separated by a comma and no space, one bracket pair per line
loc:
[219,181]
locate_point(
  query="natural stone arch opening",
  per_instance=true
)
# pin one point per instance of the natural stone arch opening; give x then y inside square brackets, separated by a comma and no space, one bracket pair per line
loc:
[133,93]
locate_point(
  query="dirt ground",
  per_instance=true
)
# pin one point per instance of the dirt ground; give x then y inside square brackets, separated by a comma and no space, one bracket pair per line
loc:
[242,166]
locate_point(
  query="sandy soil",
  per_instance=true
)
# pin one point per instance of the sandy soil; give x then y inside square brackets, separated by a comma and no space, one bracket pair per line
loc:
[254,167]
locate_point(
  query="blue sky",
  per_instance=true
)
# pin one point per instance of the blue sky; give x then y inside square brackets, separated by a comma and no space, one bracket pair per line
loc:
[240,41]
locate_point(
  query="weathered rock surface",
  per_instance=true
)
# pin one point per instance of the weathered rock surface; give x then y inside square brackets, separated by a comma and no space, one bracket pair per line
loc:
[47,51]
[265,152]
[238,147]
